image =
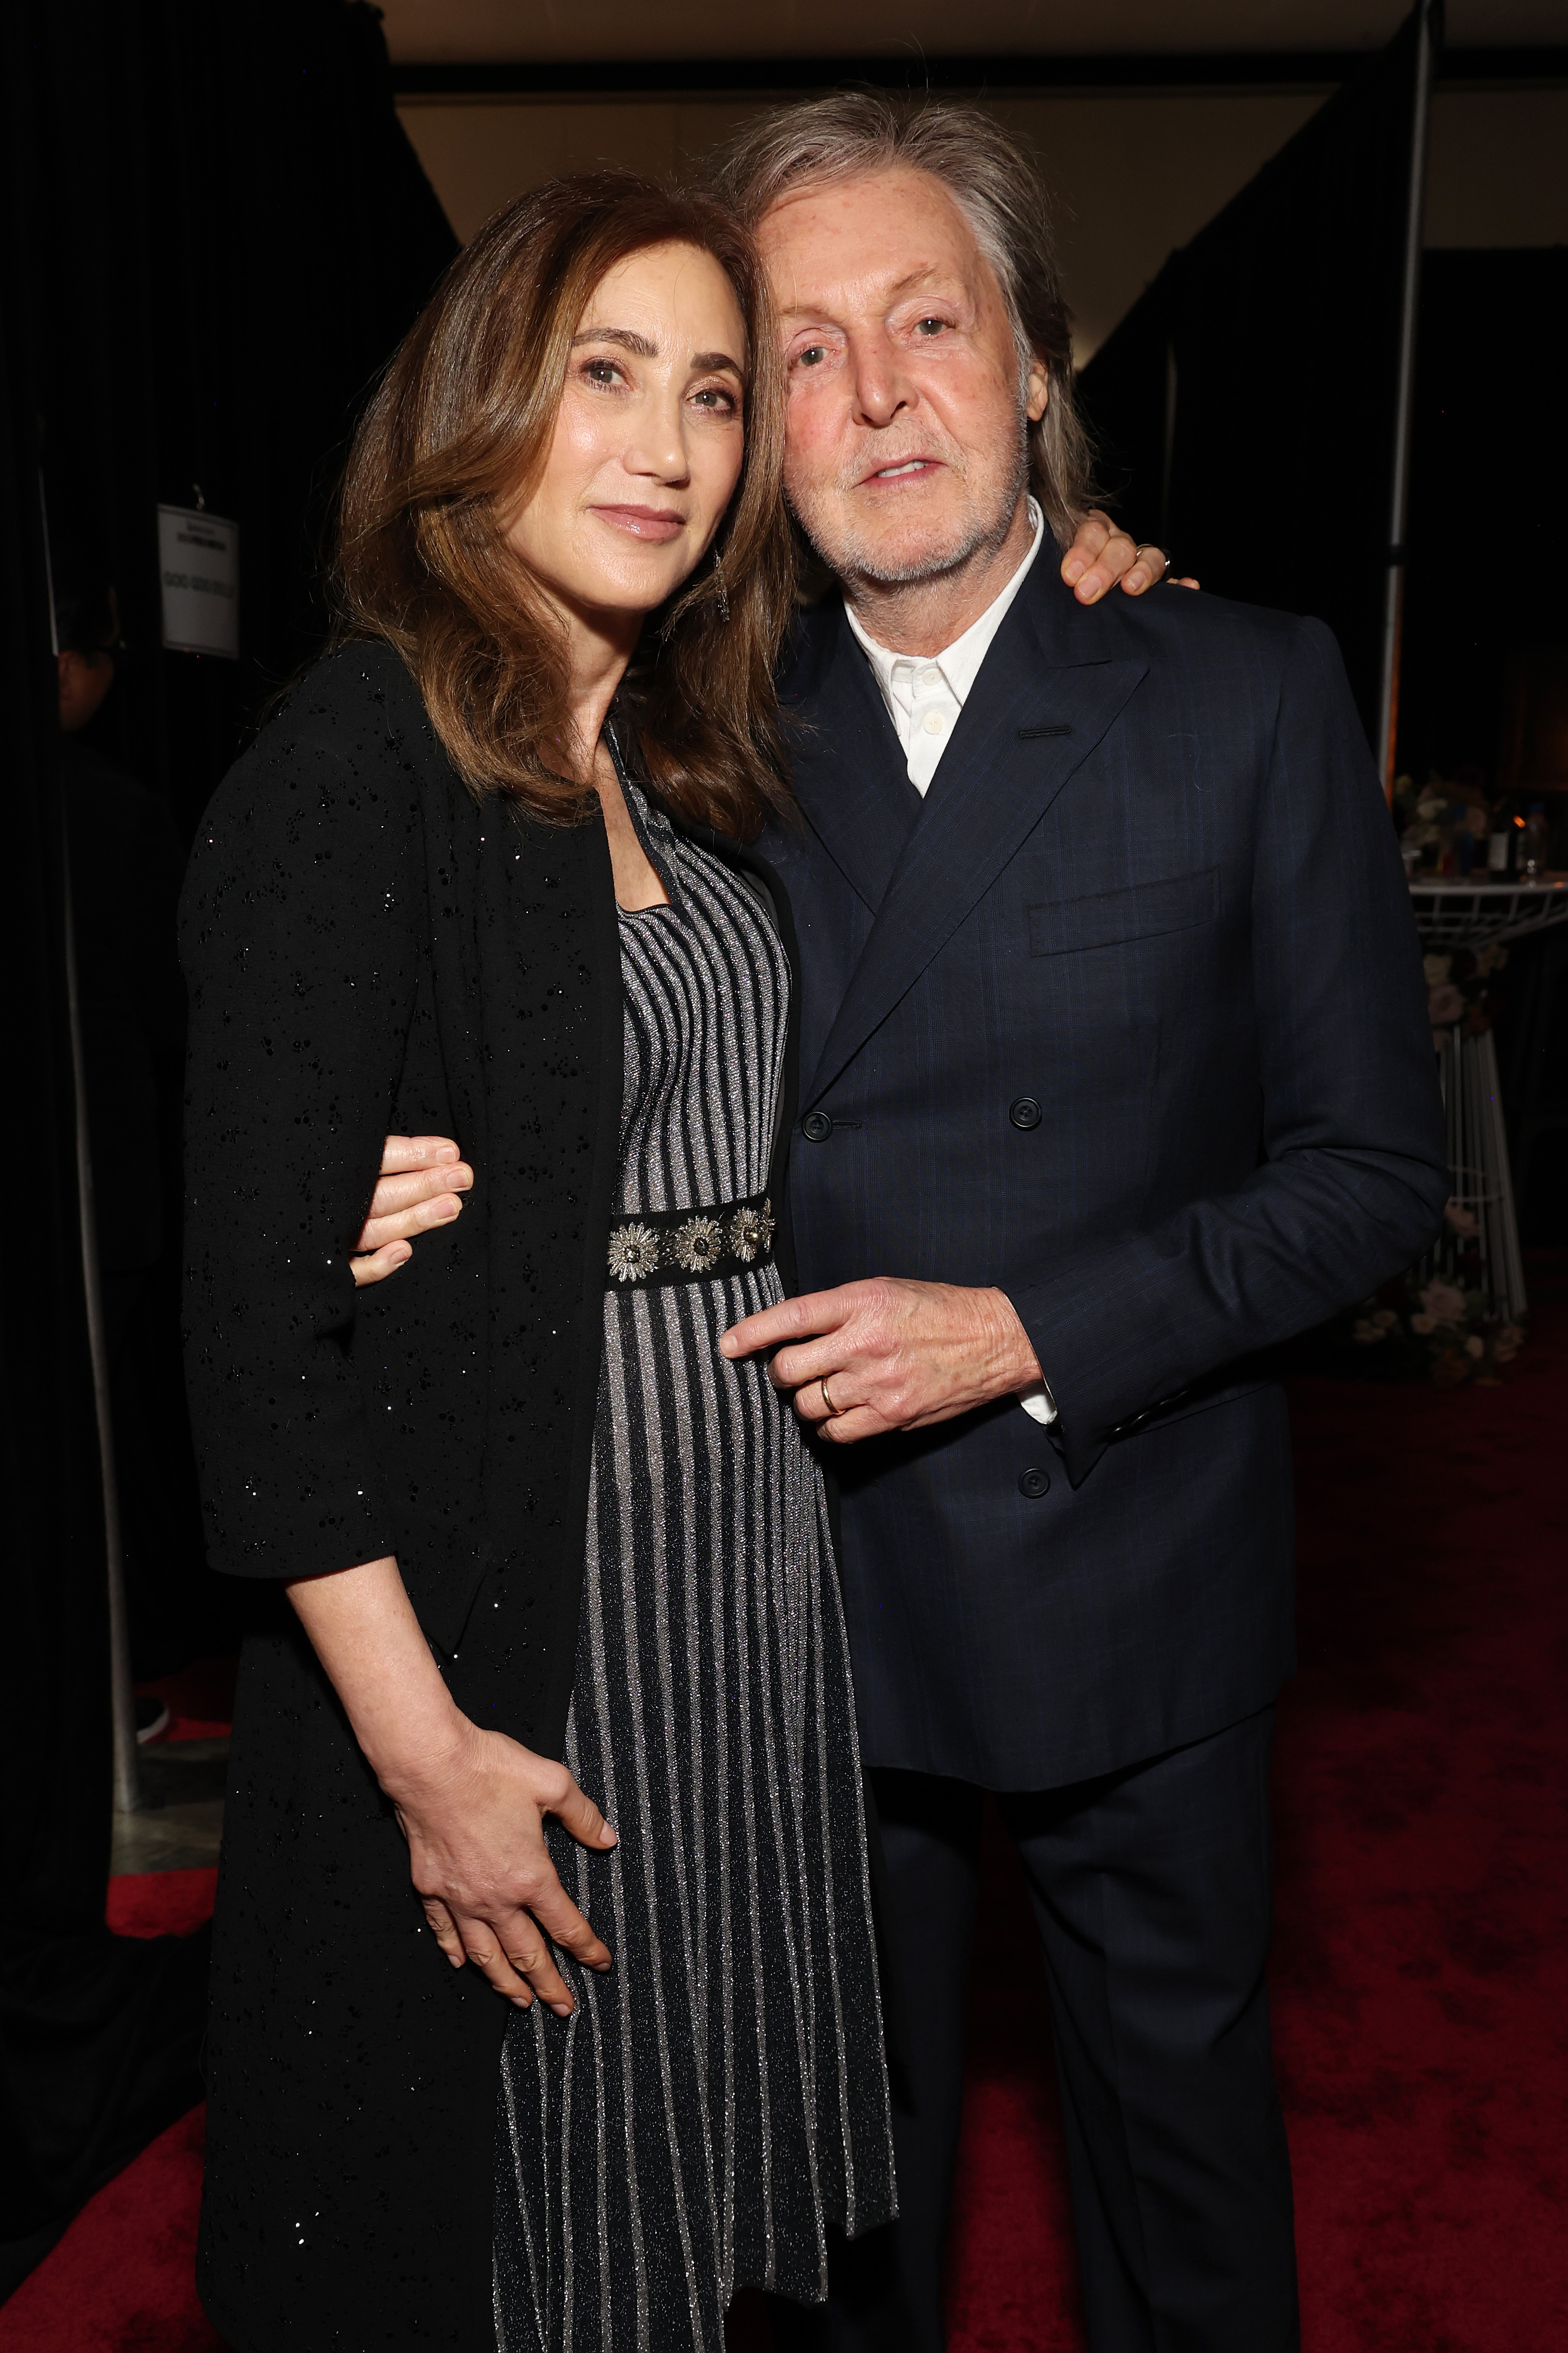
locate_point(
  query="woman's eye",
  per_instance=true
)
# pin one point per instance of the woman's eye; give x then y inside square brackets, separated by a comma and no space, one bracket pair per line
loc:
[716,400]
[601,371]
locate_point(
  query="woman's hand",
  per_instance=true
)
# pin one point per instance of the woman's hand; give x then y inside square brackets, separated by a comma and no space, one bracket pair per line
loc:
[421,1179]
[475,1828]
[1102,553]
[471,1803]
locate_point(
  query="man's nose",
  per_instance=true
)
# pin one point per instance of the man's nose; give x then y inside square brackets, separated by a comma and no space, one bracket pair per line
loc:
[882,386]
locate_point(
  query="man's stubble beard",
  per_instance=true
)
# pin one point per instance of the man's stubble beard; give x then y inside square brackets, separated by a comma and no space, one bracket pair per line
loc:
[856,560]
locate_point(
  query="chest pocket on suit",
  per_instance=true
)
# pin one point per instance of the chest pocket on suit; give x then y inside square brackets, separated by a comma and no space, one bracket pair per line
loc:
[1177,902]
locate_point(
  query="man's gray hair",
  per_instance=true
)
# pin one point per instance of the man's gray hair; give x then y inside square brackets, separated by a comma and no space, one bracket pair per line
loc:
[996,182]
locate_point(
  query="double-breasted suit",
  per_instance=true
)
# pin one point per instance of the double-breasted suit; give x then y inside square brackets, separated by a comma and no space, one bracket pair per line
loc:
[1127,1019]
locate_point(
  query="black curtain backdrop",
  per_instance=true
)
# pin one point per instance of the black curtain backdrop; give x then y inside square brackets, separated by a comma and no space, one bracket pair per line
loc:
[229,235]
[213,234]
[1246,404]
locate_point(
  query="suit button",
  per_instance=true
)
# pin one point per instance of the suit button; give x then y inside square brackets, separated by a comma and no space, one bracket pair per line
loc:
[1033,1483]
[816,1128]
[1025,1113]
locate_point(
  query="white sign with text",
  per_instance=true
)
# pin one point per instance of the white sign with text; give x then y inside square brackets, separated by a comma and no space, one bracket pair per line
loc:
[198,561]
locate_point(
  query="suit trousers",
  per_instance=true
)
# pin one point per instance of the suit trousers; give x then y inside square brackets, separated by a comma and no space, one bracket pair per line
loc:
[1151,1887]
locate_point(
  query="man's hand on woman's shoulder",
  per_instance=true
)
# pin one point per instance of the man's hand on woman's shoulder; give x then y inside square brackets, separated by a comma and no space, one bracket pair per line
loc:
[419,1188]
[1102,553]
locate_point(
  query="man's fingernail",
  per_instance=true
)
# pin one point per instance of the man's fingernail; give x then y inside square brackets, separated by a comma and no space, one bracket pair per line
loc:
[448,1151]
[462,1180]
[401,1253]
[1073,570]
[447,1210]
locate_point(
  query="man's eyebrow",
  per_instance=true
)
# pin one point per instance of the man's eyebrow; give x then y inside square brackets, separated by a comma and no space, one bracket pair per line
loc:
[905,285]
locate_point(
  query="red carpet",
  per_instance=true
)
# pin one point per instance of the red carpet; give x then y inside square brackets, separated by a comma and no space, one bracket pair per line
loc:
[1421,1967]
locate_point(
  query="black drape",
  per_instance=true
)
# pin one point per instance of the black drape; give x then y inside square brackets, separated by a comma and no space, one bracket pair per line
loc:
[230,234]
[214,232]
[1246,404]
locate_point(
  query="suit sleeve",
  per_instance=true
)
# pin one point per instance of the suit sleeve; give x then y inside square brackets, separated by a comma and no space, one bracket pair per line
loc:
[1352,1177]
[300,946]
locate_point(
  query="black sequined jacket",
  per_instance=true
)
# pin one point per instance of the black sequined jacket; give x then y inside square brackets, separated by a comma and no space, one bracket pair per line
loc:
[368,951]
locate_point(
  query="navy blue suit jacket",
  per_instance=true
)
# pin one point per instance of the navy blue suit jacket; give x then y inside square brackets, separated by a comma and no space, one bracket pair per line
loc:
[1154,896]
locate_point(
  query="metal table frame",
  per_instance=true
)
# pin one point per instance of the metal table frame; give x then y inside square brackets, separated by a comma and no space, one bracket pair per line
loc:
[1476,914]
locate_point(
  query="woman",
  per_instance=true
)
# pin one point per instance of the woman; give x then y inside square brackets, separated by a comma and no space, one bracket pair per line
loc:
[481,2070]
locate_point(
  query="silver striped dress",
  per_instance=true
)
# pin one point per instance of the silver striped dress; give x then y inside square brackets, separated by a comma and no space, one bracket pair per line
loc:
[718,2099]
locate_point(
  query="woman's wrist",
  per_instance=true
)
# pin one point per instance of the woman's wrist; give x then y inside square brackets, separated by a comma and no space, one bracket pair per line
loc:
[415,1761]
[415,1736]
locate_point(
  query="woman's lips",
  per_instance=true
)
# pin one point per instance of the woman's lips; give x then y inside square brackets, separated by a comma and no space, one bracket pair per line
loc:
[657,524]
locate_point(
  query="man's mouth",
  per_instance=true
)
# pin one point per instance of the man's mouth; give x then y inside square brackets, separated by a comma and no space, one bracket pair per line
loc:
[903,470]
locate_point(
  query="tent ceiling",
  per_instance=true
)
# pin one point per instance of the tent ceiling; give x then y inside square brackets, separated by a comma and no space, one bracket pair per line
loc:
[497,31]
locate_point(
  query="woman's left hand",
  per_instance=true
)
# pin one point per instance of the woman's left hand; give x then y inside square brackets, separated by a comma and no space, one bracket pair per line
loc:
[419,1188]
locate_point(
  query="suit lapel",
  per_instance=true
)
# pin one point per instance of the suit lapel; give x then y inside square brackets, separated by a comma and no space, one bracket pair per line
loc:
[1034,715]
[849,773]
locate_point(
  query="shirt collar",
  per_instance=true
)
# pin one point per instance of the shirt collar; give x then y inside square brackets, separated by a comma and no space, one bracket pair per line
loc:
[959,662]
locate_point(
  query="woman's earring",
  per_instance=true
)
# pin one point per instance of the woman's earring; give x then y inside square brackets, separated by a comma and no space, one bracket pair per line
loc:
[723,592]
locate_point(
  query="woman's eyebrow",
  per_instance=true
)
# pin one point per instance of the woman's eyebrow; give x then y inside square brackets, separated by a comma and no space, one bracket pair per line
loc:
[626,338]
[706,363]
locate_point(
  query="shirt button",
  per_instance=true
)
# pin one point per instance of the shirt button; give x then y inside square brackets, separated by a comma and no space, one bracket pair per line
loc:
[816,1128]
[934,721]
[1025,1112]
[1033,1483]
[930,678]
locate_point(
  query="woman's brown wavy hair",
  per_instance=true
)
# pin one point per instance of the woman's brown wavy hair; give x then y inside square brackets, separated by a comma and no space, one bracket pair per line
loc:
[460,427]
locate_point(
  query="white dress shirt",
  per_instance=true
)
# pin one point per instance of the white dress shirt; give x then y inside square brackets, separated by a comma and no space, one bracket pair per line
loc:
[924,694]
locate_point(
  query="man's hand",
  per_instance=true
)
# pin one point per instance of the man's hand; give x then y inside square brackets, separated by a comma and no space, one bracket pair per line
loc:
[890,1355]
[421,1179]
[1102,553]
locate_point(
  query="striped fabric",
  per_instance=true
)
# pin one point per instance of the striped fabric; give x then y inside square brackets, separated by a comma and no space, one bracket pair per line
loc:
[718,2098]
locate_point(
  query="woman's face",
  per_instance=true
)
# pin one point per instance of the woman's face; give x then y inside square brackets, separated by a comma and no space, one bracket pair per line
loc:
[648,441]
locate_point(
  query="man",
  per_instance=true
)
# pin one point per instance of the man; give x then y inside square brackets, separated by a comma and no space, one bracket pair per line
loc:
[1115,1073]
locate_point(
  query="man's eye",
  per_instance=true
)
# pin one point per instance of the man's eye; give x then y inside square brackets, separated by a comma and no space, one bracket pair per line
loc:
[930,326]
[813,356]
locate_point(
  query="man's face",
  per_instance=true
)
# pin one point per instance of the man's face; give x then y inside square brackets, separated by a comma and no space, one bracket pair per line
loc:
[905,451]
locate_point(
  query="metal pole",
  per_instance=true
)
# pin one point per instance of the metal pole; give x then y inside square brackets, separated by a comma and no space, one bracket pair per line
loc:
[1427,32]
[128,1797]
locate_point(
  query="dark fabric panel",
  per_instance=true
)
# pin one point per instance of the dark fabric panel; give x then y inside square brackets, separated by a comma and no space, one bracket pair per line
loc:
[212,234]
[230,236]
[1246,404]
[99,2034]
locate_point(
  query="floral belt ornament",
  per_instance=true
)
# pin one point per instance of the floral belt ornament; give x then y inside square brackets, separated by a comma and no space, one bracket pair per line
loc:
[686,1245]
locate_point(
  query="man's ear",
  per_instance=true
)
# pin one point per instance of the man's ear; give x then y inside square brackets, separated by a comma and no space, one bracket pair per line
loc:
[1040,389]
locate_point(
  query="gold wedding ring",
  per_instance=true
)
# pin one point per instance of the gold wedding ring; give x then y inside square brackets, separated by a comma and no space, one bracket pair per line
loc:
[831,1408]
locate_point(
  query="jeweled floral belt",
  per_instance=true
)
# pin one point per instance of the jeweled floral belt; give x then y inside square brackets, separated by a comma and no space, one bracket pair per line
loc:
[685,1245]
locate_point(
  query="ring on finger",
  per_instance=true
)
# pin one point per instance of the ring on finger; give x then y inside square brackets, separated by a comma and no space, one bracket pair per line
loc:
[828,1405]
[1147,548]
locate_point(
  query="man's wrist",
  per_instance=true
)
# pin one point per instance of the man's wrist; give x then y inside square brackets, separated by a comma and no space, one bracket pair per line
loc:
[1018,1368]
